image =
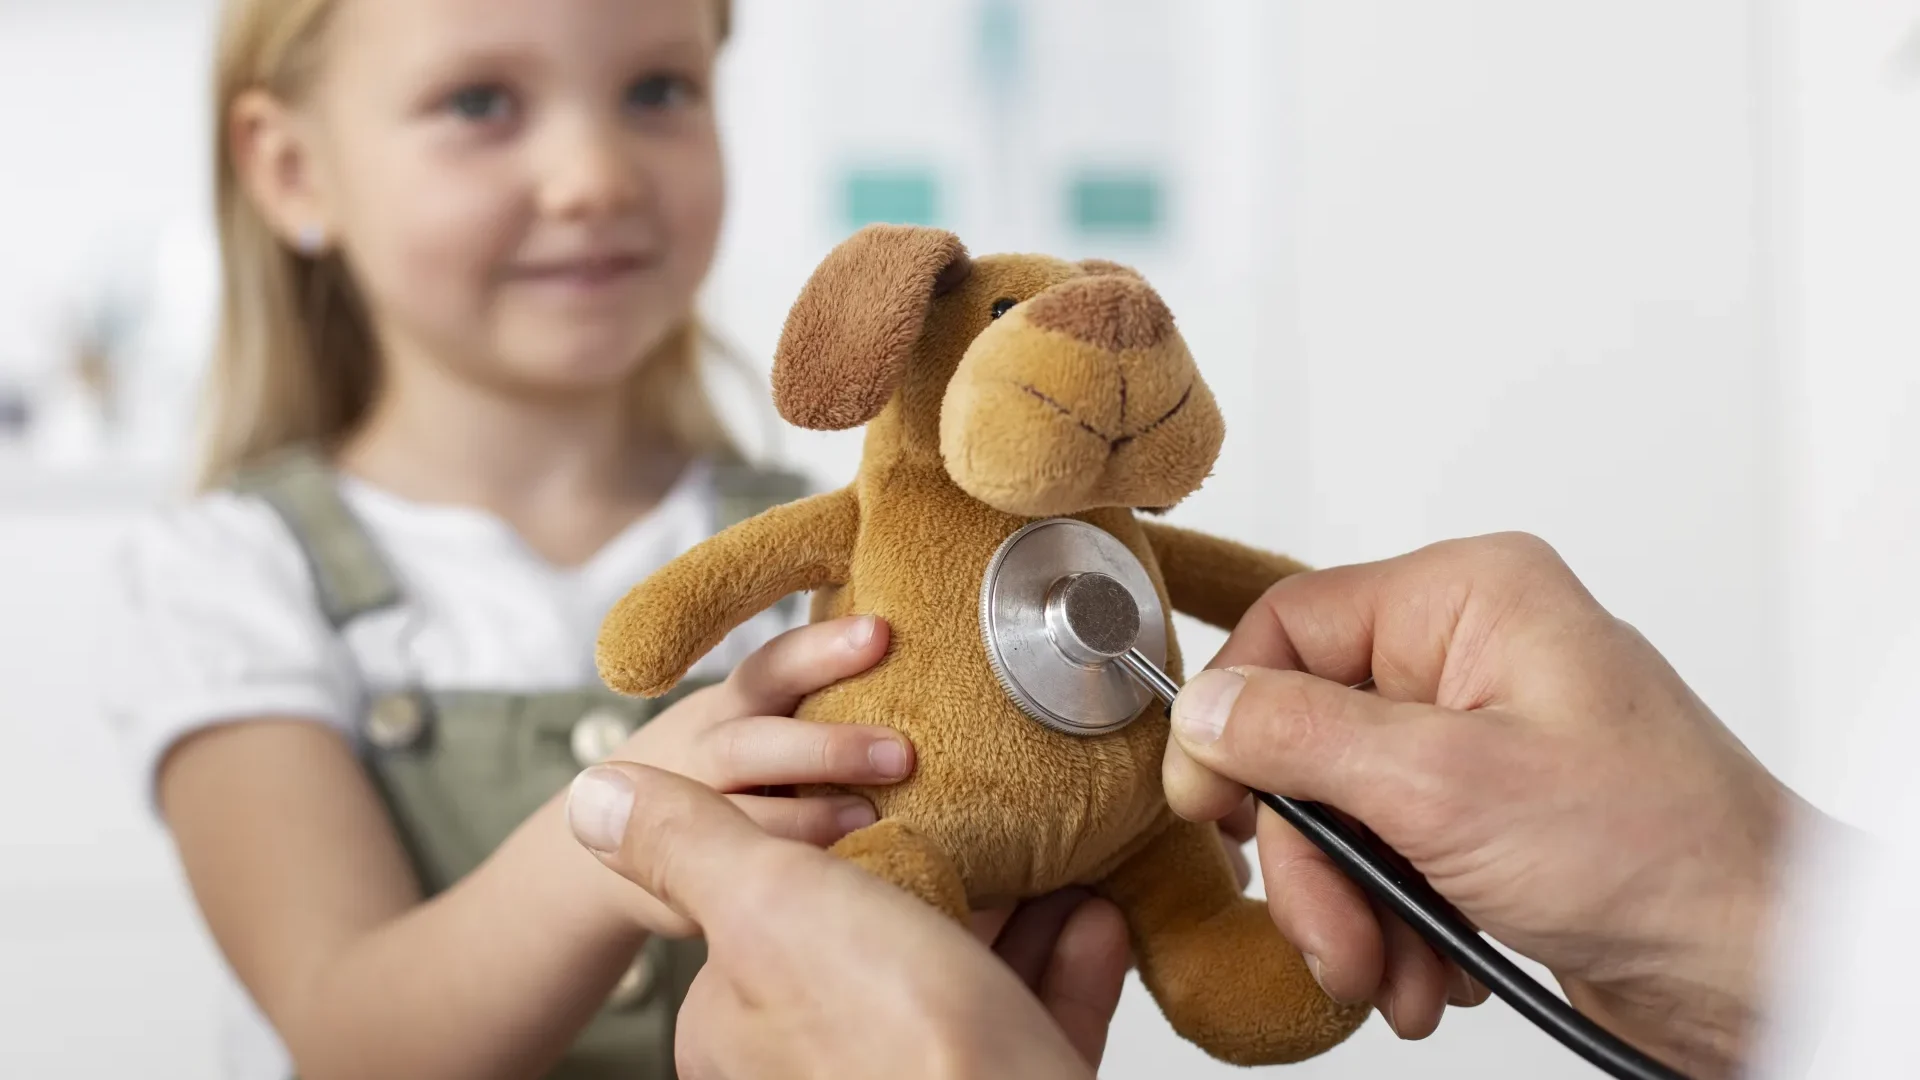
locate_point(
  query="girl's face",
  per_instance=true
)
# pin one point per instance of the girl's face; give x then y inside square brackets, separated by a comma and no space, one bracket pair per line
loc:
[527,191]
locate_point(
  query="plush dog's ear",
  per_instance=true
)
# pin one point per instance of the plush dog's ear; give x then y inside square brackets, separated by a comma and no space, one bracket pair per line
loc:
[849,335]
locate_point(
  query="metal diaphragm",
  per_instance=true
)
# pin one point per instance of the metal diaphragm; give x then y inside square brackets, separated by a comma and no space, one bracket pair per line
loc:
[1054,660]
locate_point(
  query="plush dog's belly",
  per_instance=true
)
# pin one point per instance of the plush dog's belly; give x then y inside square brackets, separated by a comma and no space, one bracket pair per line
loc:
[1019,808]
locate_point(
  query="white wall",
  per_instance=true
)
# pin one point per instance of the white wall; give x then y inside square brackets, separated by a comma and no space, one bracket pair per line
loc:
[1849,287]
[1451,268]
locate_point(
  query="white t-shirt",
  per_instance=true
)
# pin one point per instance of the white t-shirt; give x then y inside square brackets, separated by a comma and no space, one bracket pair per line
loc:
[220,622]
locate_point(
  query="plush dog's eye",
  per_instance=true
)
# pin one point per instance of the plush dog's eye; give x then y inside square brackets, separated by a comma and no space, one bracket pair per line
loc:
[1003,305]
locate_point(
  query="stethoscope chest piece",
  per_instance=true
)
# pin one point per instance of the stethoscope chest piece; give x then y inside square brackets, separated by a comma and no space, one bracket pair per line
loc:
[1050,655]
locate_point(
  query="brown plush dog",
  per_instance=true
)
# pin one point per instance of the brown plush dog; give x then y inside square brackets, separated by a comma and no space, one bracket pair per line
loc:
[996,392]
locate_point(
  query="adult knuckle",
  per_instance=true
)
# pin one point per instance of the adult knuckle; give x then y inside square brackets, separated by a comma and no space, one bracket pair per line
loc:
[767,880]
[655,863]
[1522,547]
[1438,762]
[1279,715]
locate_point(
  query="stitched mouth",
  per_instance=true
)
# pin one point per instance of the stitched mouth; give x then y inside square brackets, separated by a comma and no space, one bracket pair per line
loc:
[1114,443]
[1068,413]
[1185,396]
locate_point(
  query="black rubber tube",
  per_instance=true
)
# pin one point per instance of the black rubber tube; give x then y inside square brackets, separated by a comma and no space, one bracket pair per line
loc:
[1411,898]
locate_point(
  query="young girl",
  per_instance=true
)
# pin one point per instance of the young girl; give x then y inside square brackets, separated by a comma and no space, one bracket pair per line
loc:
[456,415]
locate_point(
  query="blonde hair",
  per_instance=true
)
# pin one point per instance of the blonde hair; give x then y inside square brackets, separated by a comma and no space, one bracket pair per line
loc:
[296,361]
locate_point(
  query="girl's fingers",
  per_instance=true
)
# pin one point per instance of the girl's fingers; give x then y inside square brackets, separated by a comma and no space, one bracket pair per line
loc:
[773,678]
[1027,940]
[777,751]
[818,821]
[1321,912]
[1413,994]
[986,923]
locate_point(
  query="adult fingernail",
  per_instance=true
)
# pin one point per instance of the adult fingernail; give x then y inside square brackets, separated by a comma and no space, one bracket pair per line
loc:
[888,758]
[860,633]
[1319,974]
[857,814]
[598,805]
[1463,991]
[1320,977]
[1200,712]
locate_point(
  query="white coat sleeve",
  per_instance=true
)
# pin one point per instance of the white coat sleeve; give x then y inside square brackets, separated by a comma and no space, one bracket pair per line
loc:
[1845,963]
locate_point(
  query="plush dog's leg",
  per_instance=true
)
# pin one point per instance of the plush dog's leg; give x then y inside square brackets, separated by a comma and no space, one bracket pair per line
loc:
[1212,958]
[890,849]
[1212,579]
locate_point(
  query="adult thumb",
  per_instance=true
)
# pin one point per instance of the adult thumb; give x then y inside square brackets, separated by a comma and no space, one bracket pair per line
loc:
[676,838]
[1285,732]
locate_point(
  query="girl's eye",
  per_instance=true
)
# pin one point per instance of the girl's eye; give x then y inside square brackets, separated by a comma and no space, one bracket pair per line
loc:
[659,92]
[480,103]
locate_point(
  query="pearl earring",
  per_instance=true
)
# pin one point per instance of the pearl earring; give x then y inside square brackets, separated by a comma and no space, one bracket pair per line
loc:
[311,239]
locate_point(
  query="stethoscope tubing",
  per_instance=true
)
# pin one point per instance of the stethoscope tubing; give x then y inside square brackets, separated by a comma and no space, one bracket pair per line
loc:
[1410,897]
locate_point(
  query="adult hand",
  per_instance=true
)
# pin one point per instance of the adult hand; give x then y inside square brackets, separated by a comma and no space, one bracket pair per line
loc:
[818,969]
[1534,757]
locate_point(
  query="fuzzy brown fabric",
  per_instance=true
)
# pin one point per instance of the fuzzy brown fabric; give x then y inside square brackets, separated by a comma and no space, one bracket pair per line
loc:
[720,586]
[891,849]
[847,339]
[1115,316]
[1080,400]
[1212,579]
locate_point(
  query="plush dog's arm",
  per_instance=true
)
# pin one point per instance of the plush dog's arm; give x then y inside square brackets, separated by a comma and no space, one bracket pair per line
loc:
[667,622]
[1212,579]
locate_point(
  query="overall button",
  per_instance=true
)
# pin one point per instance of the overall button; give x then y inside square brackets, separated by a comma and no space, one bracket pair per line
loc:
[598,734]
[396,721]
[636,984]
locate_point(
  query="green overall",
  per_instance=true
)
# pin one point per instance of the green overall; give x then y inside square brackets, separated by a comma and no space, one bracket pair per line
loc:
[460,769]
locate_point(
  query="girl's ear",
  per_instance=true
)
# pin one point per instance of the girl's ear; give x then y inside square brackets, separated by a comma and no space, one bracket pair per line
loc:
[850,333]
[275,166]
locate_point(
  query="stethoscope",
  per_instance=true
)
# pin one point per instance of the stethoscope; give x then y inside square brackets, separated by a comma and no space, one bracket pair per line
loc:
[1075,632]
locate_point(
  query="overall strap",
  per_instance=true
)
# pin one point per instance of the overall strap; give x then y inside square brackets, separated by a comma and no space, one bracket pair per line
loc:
[350,577]
[742,491]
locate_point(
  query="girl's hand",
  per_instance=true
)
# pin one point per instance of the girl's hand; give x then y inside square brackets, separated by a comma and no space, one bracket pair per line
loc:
[818,968]
[739,738]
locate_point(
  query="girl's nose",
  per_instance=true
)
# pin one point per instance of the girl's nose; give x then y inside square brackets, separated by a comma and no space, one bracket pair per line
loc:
[590,172]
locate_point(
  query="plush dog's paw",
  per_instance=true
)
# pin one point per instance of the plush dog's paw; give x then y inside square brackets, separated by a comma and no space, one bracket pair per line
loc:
[1234,987]
[638,655]
[891,850]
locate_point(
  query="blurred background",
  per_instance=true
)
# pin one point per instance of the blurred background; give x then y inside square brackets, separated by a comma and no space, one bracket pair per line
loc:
[1637,276]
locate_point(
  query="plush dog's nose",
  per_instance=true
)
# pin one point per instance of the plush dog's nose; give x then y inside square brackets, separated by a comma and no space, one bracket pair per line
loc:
[1115,312]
